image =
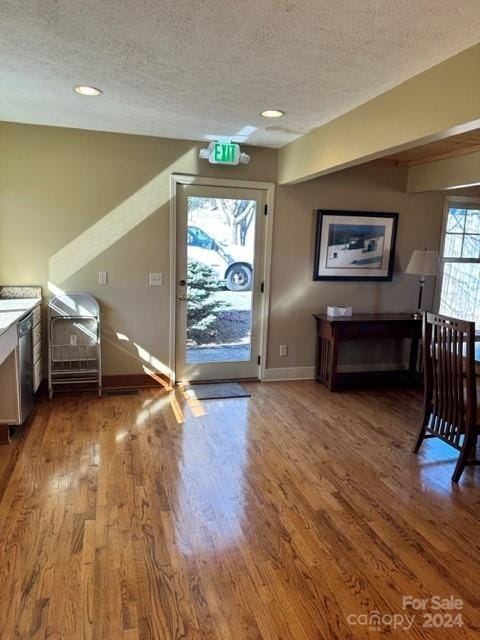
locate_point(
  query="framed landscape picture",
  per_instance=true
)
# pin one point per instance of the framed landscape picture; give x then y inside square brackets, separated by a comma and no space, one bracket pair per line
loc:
[354,245]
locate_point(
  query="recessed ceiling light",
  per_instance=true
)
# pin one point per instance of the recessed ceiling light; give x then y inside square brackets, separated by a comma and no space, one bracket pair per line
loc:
[272,113]
[85,90]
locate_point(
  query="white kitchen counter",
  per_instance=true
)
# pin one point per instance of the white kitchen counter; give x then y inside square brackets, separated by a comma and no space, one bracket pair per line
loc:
[19,367]
[13,310]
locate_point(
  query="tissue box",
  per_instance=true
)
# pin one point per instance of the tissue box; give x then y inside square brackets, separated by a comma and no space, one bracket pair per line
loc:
[339,311]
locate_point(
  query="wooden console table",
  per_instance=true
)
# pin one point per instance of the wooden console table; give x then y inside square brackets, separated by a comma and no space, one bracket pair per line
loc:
[333,330]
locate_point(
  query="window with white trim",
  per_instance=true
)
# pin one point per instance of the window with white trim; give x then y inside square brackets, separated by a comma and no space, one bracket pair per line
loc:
[460,290]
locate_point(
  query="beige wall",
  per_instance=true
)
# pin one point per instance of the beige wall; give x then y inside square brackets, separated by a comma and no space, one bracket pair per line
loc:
[57,184]
[295,296]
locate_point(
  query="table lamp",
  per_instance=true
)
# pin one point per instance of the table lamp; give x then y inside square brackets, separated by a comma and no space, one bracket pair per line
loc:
[423,263]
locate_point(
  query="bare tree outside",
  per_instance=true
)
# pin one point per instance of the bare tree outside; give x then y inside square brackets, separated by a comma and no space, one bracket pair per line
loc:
[239,214]
[236,214]
[460,292]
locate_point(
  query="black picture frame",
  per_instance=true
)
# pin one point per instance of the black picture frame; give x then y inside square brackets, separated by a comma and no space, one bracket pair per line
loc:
[321,248]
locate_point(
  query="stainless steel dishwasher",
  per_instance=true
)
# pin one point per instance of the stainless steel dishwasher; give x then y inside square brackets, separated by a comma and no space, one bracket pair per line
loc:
[25,364]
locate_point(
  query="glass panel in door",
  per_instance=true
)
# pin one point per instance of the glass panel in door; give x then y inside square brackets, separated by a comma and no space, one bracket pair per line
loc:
[220,299]
[220,263]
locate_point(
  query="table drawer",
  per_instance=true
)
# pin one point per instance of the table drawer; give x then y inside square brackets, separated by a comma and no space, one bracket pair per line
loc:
[373,330]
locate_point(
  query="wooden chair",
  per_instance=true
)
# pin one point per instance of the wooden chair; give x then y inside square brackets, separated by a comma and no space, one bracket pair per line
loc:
[450,400]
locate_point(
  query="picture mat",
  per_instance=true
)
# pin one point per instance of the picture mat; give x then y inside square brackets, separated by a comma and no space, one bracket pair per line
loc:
[356,221]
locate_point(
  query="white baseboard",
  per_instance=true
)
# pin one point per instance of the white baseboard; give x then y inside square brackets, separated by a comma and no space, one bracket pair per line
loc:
[308,373]
[289,373]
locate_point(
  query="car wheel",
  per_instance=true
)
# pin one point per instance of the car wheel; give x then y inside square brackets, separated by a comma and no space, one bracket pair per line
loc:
[239,278]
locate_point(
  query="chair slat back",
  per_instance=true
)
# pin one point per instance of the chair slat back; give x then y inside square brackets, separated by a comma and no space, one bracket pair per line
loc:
[449,366]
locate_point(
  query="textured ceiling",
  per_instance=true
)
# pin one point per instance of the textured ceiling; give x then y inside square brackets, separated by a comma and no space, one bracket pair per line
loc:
[193,68]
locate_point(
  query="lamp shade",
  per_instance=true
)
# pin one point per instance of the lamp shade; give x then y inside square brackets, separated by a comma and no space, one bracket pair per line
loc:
[424,263]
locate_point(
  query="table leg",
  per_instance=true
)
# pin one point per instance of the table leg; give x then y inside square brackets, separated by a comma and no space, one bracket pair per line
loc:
[4,434]
[413,364]
[332,373]
[318,359]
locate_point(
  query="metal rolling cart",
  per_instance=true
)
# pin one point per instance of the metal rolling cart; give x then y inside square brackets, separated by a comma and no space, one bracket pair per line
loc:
[74,348]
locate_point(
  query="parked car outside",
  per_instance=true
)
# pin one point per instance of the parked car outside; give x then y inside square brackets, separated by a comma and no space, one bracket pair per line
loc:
[232,263]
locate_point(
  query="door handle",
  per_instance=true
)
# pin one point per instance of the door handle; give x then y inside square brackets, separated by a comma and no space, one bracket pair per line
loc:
[182,298]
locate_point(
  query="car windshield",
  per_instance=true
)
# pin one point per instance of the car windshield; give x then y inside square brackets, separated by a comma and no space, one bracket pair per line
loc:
[198,238]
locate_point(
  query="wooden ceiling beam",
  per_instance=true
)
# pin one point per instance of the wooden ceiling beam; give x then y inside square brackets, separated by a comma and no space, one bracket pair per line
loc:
[446,173]
[444,156]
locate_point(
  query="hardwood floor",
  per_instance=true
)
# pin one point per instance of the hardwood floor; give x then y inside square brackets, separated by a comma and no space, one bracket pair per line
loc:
[287,516]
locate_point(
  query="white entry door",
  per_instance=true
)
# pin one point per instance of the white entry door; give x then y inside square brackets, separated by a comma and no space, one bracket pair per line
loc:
[220,264]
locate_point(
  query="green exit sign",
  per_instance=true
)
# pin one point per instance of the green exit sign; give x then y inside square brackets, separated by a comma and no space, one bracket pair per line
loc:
[225,153]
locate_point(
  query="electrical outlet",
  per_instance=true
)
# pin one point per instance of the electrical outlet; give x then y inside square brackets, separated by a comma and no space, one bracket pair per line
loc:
[102,277]
[283,349]
[73,340]
[155,279]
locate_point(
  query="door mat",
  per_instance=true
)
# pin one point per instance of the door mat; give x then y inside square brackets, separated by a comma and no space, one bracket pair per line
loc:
[219,390]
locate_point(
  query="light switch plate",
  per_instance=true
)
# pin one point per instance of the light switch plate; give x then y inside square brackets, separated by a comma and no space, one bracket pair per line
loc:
[102,277]
[283,349]
[155,279]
